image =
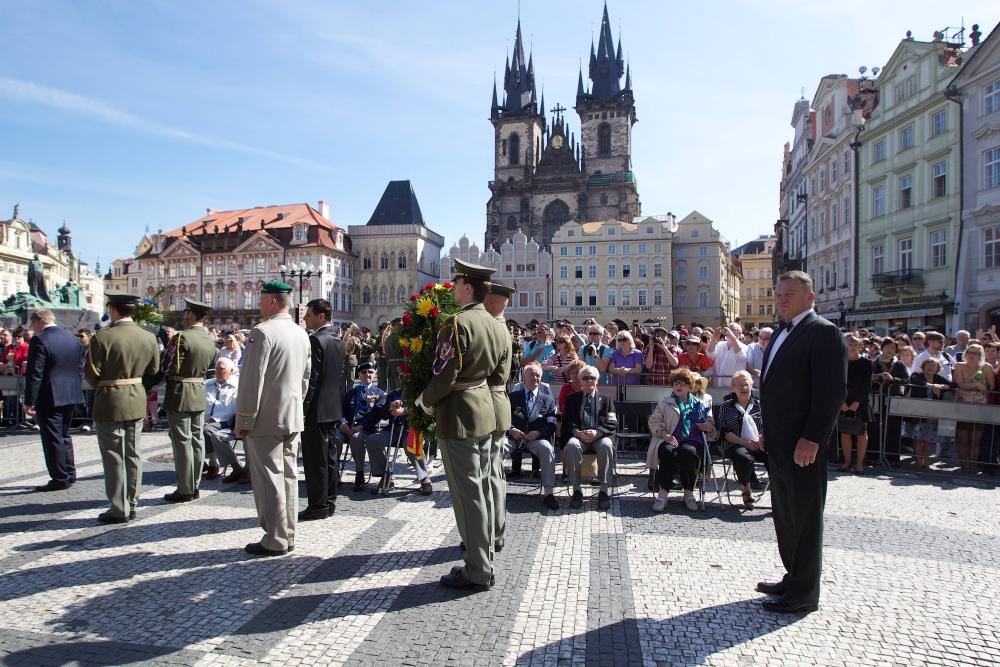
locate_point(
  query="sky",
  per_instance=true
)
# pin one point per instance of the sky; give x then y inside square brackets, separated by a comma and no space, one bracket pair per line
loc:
[119,116]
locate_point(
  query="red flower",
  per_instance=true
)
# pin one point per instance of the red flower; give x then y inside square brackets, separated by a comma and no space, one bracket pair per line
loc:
[426,287]
[446,285]
[405,368]
[414,297]
[406,351]
[435,311]
[407,319]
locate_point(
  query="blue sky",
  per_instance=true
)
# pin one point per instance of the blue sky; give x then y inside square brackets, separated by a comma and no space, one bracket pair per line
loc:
[118,115]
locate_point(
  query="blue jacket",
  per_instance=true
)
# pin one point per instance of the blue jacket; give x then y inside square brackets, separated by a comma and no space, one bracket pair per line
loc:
[357,403]
[381,411]
[53,377]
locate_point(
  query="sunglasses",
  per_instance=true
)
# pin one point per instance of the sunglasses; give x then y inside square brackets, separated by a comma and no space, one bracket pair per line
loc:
[593,333]
[588,378]
[623,340]
[681,383]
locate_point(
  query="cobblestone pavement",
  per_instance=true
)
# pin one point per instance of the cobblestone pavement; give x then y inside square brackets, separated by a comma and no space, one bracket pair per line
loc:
[910,578]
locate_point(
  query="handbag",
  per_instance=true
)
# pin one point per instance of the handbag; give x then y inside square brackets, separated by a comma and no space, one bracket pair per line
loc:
[850,423]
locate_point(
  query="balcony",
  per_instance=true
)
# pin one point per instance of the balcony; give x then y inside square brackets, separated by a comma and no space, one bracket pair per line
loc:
[902,279]
[607,180]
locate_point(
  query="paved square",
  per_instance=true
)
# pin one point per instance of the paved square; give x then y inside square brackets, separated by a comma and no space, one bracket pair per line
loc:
[911,578]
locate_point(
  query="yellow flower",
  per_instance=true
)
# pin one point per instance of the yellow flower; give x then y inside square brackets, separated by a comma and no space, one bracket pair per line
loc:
[439,287]
[417,344]
[424,307]
[404,341]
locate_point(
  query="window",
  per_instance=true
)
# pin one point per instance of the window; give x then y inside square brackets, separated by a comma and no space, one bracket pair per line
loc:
[770,309]
[939,122]
[642,249]
[563,272]
[682,272]
[657,270]
[515,149]
[640,297]
[760,309]
[578,297]
[366,262]
[383,262]
[702,251]
[522,299]
[611,248]
[563,297]
[847,210]
[612,271]
[612,297]
[694,233]
[401,260]
[703,299]
[680,300]
[822,180]
[703,272]
[834,216]
[657,297]
[749,292]
[578,271]
[905,254]
[682,252]
[626,248]
[845,272]
[847,162]
[539,299]
[906,138]
[761,292]
[939,179]
[749,274]
[657,248]
[749,309]
[578,251]
[604,139]
[611,231]
[401,294]
[991,168]
[592,250]
[642,270]
[878,201]
[878,259]
[991,97]
[939,248]
[991,247]
[878,151]
[906,89]
[366,295]
[626,297]
[833,170]
[822,222]
[592,296]
[564,251]
[592,271]
[905,191]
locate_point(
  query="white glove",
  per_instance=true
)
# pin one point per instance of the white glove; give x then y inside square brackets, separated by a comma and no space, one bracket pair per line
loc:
[420,404]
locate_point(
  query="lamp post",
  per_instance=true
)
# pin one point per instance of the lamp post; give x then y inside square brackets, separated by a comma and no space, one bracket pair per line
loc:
[299,270]
[843,314]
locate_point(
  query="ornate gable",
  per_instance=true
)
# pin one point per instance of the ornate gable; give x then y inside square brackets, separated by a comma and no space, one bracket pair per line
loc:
[259,242]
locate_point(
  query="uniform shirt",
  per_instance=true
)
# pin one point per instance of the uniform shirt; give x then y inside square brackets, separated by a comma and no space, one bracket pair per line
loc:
[220,400]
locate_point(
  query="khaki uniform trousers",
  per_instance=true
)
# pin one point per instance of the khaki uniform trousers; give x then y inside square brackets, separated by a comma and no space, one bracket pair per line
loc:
[498,487]
[468,471]
[119,444]
[188,442]
[274,471]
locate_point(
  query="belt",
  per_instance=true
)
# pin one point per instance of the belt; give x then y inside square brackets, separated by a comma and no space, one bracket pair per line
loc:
[470,384]
[121,382]
[499,389]
[177,378]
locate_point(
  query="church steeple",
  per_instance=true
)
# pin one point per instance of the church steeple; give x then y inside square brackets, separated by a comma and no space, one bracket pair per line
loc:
[519,80]
[606,65]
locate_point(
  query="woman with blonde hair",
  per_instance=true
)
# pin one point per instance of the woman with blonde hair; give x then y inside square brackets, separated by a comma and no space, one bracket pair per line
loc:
[558,363]
[975,380]
[741,424]
[626,361]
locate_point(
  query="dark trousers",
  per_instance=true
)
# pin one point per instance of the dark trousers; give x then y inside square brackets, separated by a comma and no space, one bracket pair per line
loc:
[57,444]
[320,462]
[798,496]
[743,461]
[682,459]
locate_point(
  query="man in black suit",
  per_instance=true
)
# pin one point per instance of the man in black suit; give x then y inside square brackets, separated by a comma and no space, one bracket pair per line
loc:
[588,425]
[52,390]
[804,383]
[533,422]
[320,459]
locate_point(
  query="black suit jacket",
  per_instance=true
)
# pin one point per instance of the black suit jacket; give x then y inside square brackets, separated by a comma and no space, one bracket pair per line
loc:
[803,387]
[542,417]
[607,420]
[323,401]
[53,378]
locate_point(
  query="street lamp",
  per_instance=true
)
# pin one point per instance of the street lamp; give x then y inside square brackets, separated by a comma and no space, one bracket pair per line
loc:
[299,270]
[843,314]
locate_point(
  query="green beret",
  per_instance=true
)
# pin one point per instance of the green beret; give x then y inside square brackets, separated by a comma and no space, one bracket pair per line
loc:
[472,271]
[500,289]
[119,298]
[275,287]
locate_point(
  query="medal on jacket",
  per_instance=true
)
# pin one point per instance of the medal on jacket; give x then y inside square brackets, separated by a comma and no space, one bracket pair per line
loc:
[445,353]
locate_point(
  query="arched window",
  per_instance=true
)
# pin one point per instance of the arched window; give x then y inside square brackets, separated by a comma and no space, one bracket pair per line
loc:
[366,263]
[604,139]
[401,260]
[366,295]
[515,149]
[554,215]
[511,222]
[383,296]
[383,262]
[401,295]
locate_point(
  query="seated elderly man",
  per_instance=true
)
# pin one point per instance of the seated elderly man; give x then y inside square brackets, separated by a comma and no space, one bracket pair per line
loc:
[742,427]
[378,444]
[220,415]
[533,423]
[352,428]
[588,424]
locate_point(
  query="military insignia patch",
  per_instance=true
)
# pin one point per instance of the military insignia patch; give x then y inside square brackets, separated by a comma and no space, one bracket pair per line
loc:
[444,354]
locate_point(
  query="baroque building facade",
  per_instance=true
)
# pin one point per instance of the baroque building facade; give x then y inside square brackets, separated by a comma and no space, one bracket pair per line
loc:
[707,277]
[395,254]
[757,301]
[543,177]
[520,263]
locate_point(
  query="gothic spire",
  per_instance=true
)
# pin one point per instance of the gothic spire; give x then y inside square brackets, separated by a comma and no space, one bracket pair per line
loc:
[519,79]
[628,77]
[579,85]
[606,66]
[494,107]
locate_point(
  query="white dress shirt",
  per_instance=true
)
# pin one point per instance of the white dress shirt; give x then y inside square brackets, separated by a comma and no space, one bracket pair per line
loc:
[779,338]
[220,400]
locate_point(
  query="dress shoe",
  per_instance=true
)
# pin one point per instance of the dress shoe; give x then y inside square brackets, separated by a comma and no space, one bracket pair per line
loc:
[245,475]
[359,481]
[108,517]
[457,569]
[660,505]
[595,481]
[383,486]
[576,502]
[313,514]
[513,474]
[603,501]
[550,501]
[212,472]
[426,488]
[233,476]
[776,589]
[53,485]
[782,607]
[204,467]
[459,581]
[258,549]
[178,497]
[131,515]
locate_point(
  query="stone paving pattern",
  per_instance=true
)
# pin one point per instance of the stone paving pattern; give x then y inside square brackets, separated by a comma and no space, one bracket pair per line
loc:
[910,578]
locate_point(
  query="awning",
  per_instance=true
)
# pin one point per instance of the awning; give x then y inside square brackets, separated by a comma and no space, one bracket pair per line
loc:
[831,314]
[894,314]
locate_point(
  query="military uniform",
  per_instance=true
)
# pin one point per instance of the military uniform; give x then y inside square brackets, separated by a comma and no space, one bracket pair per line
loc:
[189,356]
[501,405]
[274,379]
[121,365]
[469,350]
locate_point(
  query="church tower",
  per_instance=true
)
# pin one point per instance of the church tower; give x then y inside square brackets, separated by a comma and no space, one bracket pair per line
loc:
[607,114]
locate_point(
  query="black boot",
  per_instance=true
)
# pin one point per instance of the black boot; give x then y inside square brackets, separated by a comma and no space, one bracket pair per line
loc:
[515,464]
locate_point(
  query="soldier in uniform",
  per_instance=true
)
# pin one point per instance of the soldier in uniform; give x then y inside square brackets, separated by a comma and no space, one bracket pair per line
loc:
[122,363]
[273,383]
[469,350]
[495,305]
[188,357]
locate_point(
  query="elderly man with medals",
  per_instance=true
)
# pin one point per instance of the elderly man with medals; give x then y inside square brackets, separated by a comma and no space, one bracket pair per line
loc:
[472,346]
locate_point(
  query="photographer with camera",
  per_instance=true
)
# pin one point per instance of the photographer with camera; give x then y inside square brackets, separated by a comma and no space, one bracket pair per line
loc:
[596,353]
[659,359]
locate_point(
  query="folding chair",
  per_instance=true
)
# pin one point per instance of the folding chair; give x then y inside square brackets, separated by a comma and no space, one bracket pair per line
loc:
[727,467]
[708,469]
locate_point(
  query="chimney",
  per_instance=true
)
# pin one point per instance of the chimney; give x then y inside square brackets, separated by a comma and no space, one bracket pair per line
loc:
[324,208]
[210,211]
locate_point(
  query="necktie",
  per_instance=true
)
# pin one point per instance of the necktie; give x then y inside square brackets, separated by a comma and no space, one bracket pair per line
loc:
[588,411]
[531,402]
[218,390]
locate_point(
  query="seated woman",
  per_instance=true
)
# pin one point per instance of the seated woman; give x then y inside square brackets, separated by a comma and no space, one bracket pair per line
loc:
[678,426]
[741,426]
[927,384]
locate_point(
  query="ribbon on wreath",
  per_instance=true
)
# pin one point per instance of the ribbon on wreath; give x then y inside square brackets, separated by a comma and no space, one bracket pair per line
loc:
[415,442]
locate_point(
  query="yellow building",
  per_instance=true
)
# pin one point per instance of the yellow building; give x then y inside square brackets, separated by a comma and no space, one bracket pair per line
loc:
[706,278]
[758,282]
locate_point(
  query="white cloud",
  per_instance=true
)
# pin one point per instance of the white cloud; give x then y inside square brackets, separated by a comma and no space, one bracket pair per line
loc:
[35,93]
